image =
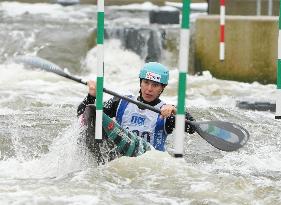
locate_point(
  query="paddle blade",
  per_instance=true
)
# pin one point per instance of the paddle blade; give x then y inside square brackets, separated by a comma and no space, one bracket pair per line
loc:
[41,63]
[225,136]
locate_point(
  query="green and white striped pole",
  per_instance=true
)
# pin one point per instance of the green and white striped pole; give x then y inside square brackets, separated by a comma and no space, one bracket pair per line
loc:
[100,68]
[278,100]
[183,68]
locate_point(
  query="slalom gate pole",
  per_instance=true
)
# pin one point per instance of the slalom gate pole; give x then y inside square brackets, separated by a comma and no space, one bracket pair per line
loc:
[218,133]
[222,23]
[183,68]
[278,100]
[100,69]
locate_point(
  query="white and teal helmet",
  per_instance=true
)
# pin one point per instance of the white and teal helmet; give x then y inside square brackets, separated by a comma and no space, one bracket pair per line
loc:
[156,72]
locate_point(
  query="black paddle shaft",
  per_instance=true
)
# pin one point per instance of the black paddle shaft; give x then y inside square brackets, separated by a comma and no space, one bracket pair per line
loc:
[51,67]
[225,136]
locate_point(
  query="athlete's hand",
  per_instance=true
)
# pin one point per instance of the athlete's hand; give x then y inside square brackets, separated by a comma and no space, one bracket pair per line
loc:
[92,87]
[168,110]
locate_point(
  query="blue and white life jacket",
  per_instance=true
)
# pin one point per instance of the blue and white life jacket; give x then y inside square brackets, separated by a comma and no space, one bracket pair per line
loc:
[144,123]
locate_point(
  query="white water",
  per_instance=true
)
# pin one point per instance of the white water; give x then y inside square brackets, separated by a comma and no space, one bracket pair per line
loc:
[43,160]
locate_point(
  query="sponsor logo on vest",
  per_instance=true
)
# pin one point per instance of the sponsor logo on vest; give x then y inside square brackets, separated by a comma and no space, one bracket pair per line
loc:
[137,120]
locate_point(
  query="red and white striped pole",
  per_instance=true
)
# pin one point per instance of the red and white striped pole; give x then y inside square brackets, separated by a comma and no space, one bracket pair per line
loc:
[222,23]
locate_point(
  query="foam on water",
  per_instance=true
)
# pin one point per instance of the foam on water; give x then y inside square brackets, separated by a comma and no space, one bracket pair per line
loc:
[119,71]
[15,9]
[43,159]
[66,155]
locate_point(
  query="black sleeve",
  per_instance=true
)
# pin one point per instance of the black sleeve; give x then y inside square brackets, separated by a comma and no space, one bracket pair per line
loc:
[171,121]
[109,108]
[88,100]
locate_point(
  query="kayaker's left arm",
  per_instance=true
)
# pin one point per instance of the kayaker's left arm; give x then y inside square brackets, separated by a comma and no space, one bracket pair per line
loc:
[171,121]
[168,110]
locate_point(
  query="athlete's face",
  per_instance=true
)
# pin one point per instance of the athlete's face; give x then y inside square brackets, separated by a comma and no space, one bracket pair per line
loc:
[150,90]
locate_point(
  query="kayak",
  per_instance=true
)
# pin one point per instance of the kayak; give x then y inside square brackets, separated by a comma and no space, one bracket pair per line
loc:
[115,142]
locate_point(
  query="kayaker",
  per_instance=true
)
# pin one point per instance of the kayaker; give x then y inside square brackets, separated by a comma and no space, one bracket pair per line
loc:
[145,123]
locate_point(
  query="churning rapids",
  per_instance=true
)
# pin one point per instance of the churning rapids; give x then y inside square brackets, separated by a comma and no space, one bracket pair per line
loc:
[43,159]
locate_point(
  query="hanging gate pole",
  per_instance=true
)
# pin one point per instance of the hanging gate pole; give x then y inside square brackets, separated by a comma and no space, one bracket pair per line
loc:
[183,68]
[100,69]
[222,23]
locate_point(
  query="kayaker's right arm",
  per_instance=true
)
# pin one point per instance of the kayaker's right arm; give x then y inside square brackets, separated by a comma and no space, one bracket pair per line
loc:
[110,106]
[90,99]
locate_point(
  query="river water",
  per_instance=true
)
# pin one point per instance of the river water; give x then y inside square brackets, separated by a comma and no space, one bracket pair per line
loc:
[44,161]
